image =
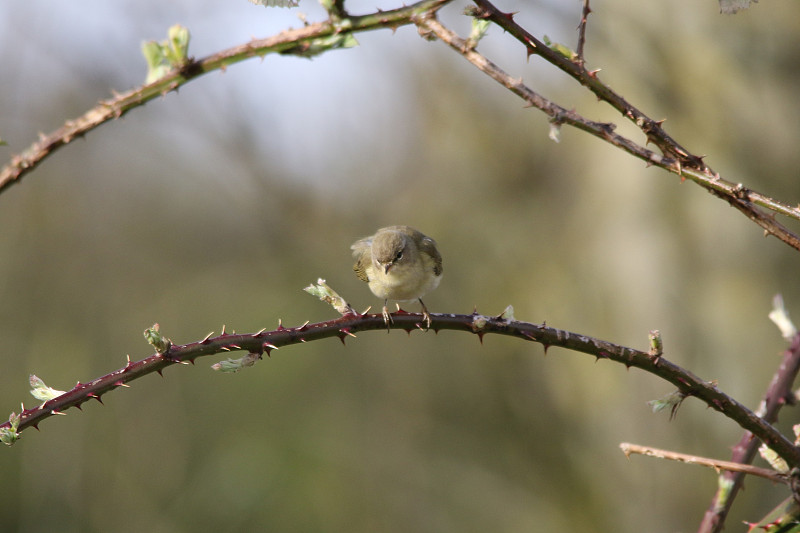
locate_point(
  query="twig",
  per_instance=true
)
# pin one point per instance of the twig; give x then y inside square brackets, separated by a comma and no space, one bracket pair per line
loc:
[289,41]
[582,31]
[729,466]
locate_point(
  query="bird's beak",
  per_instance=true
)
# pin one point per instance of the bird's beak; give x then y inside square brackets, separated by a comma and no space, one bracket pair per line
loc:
[386,268]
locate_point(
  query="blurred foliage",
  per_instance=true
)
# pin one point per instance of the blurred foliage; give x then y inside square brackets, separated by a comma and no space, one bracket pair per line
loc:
[219,204]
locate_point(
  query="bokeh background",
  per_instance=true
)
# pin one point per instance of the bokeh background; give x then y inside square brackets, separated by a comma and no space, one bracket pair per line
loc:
[218,204]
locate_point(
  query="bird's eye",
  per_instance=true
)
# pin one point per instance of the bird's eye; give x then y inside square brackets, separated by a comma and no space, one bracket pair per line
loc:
[399,255]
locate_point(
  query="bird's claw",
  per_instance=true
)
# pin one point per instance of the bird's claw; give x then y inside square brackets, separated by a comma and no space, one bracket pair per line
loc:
[426,315]
[387,318]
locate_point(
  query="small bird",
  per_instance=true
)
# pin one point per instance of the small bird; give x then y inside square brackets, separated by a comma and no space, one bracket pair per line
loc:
[399,263]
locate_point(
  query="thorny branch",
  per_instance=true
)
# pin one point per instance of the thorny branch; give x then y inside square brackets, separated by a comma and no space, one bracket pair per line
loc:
[675,157]
[349,324]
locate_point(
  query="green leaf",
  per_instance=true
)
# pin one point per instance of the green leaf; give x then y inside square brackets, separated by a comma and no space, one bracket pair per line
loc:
[178,50]
[671,401]
[560,49]
[479,29]
[42,392]
[157,340]
[322,291]
[172,53]
[234,365]
[774,460]
[9,435]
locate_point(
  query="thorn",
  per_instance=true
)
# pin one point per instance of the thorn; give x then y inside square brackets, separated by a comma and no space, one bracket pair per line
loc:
[341,338]
[120,383]
[223,330]
[593,73]
[301,328]
[546,347]
[366,310]
[235,347]
[79,407]
[259,332]
[96,397]
[206,338]
[160,373]
[280,325]
[54,412]
[480,336]
[509,16]
[347,331]
[267,347]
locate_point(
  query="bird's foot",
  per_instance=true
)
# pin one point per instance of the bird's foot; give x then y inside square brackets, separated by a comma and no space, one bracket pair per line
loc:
[426,315]
[387,318]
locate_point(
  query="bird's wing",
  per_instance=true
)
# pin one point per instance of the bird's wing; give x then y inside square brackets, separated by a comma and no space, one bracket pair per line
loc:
[361,253]
[428,246]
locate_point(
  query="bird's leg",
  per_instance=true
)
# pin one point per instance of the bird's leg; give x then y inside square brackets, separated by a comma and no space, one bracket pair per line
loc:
[386,317]
[425,314]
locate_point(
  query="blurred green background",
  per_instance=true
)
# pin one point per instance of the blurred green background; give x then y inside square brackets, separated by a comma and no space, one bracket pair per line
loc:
[217,206]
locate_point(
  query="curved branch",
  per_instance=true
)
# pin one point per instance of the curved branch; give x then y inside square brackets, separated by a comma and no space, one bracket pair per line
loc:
[302,41]
[264,341]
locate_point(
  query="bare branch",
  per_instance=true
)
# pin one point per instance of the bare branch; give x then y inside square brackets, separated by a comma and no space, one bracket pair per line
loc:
[729,466]
[582,31]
